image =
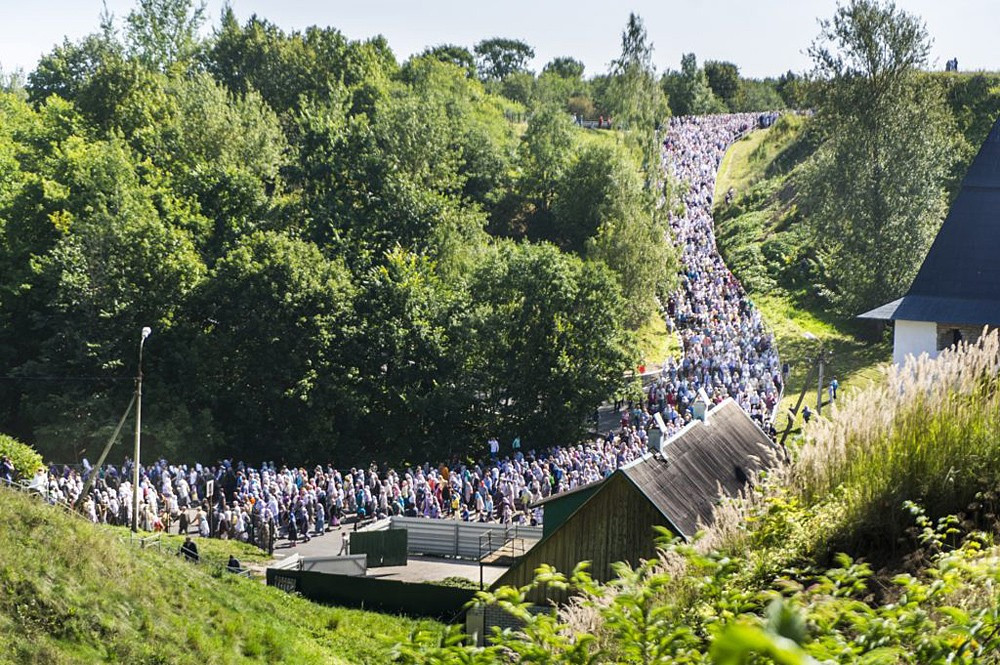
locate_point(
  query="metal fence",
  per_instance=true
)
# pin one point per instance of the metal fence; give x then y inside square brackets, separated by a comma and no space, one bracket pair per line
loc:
[452,538]
[374,593]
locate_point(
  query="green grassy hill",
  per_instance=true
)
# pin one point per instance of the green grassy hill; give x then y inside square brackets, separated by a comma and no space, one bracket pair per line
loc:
[759,235]
[72,592]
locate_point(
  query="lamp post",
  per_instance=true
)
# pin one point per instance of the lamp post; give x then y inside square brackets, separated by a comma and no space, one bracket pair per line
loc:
[138,432]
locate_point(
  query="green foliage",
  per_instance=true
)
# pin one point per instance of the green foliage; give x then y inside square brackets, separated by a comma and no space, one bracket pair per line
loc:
[544,154]
[280,313]
[875,188]
[763,586]
[68,67]
[456,55]
[498,58]
[627,233]
[757,96]
[634,99]
[688,90]
[764,239]
[318,64]
[938,445]
[533,306]
[564,67]
[303,223]
[703,613]
[25,460]
[724,80]
[163,32]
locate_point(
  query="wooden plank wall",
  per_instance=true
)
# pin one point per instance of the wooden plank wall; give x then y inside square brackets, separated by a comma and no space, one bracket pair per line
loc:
[616,524]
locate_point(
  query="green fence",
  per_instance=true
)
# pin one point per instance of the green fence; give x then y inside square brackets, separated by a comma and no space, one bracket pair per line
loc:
[372,593]
[384,548]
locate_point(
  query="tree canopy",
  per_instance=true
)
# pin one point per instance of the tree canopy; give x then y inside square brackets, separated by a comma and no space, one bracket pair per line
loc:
[500,57]
[341,257]
[876,186]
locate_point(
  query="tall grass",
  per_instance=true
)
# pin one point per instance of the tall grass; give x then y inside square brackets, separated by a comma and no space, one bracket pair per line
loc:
[929,433]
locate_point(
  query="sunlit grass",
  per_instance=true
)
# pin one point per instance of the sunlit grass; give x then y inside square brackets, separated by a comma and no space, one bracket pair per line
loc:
[72,592]
[656,343]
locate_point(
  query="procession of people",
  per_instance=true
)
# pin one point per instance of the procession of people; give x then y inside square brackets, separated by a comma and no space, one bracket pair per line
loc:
[727,352]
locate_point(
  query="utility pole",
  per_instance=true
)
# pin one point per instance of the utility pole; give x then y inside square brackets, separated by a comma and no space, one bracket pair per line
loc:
[819,386]
[138,433]
[104,455]
[824,357]
[794,412]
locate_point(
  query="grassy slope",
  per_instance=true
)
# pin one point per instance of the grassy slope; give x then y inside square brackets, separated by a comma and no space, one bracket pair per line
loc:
[760,230]
[71,592]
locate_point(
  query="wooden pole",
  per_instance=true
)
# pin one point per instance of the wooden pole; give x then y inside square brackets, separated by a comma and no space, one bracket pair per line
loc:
[104,454]
[798,404]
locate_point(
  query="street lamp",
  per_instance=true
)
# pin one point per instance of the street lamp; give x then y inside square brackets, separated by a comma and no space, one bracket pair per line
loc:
[138,432]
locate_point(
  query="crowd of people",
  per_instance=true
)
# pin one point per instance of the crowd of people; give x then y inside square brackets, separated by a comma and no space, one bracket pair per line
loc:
[260,504]
[727,350]
[726,353]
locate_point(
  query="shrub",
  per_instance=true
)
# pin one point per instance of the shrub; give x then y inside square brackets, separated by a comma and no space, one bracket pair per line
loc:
[26,460]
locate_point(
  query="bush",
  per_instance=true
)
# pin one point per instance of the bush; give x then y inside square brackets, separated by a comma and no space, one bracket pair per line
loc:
[26,460]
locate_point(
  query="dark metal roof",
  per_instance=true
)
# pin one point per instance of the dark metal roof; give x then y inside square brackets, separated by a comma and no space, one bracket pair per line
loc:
[959,281]
[703,463]
[938,310]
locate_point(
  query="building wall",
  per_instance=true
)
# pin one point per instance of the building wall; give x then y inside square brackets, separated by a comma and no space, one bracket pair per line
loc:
[914,338]
[615,524]
[558,510]
[945,334]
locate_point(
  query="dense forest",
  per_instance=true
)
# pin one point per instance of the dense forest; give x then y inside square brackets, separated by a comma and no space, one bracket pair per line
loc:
[340,255]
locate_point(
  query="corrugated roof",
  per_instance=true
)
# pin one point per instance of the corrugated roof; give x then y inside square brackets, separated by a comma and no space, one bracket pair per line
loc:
[959,281]
[563,495]
[701,461]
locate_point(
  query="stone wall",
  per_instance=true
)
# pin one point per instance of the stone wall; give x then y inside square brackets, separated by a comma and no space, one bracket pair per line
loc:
[945,334]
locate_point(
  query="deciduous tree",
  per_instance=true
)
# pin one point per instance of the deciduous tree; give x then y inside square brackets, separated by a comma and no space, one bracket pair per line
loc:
[874,192]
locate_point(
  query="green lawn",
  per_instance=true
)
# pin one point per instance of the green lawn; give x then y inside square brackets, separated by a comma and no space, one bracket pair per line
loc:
[736,170]
[855,362]
[746,161]
[72,592]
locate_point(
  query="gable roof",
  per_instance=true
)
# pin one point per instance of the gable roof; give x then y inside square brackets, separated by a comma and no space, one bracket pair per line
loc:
[701,464]
[959,281]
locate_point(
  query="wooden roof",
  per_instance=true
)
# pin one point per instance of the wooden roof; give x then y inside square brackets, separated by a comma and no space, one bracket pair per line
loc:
[703,463]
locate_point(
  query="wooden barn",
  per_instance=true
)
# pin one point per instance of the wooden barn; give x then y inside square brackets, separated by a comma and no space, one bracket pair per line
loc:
[957,290]
[613,520]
